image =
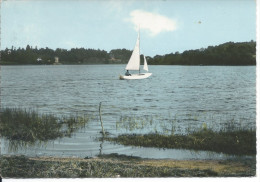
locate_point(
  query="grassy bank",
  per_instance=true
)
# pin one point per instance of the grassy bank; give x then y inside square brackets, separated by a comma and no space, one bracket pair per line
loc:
[229,142]
[120,166]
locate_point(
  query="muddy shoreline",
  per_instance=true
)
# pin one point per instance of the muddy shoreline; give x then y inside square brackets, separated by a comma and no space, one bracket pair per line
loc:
[114,165]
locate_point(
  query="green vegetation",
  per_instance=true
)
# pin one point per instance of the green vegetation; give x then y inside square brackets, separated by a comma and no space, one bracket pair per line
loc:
[230,53]
[229,142]
[24,127]
[36,56]
[120,166]
[233,137]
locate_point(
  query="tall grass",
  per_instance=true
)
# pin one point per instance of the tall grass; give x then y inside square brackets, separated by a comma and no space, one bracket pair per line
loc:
[182,124]
[232,137]
[230,142]
[27,127]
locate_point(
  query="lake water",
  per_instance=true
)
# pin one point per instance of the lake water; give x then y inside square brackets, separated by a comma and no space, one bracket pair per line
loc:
[175,99]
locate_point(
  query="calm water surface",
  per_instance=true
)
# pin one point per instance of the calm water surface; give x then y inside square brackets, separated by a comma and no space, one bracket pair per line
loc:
[175,99]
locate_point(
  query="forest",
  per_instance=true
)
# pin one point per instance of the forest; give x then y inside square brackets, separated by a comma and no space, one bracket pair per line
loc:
[230,53]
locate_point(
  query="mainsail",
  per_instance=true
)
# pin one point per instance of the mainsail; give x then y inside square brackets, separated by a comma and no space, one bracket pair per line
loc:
[134,62]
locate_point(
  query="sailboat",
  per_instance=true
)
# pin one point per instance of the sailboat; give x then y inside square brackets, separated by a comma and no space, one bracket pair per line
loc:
[134,64]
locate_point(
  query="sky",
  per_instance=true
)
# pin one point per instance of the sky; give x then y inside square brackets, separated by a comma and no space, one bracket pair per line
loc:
[166,26]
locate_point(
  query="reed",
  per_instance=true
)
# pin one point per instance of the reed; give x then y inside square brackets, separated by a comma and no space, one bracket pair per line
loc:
[27,127]
[180,123]
[241,142]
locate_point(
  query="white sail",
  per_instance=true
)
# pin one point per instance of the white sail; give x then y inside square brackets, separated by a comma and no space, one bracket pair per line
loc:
[134,62]
[145,65]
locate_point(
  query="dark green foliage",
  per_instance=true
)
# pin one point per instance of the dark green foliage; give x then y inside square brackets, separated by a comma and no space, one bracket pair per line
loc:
[47,56]
[229,53]
[119,56]
[229,142]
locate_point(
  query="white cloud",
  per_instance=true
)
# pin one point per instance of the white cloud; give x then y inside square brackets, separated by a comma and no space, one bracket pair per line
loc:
[152,22]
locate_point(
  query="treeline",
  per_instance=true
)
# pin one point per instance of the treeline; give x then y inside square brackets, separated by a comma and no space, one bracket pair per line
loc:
[229,53]
[31,55]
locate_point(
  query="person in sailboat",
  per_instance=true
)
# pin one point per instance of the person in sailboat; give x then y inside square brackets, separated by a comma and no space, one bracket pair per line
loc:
[127,73]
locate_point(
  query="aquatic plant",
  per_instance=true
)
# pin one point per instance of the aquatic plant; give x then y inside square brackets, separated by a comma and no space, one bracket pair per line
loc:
[131,123]
[225,133]
[241,142]
[27,127]
[182,123]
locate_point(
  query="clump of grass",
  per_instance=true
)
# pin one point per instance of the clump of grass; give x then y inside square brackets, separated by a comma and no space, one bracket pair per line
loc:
[241,142]
[119,157]
[18,124]
[23,127]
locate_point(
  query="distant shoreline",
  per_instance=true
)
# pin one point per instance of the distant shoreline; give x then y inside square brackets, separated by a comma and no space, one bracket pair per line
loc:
[227,54]
[108,64]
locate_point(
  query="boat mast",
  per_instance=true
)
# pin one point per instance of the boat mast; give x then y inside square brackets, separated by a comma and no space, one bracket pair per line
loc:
[139,43]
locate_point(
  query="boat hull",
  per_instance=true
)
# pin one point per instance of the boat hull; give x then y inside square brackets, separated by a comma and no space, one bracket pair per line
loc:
[135,76]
